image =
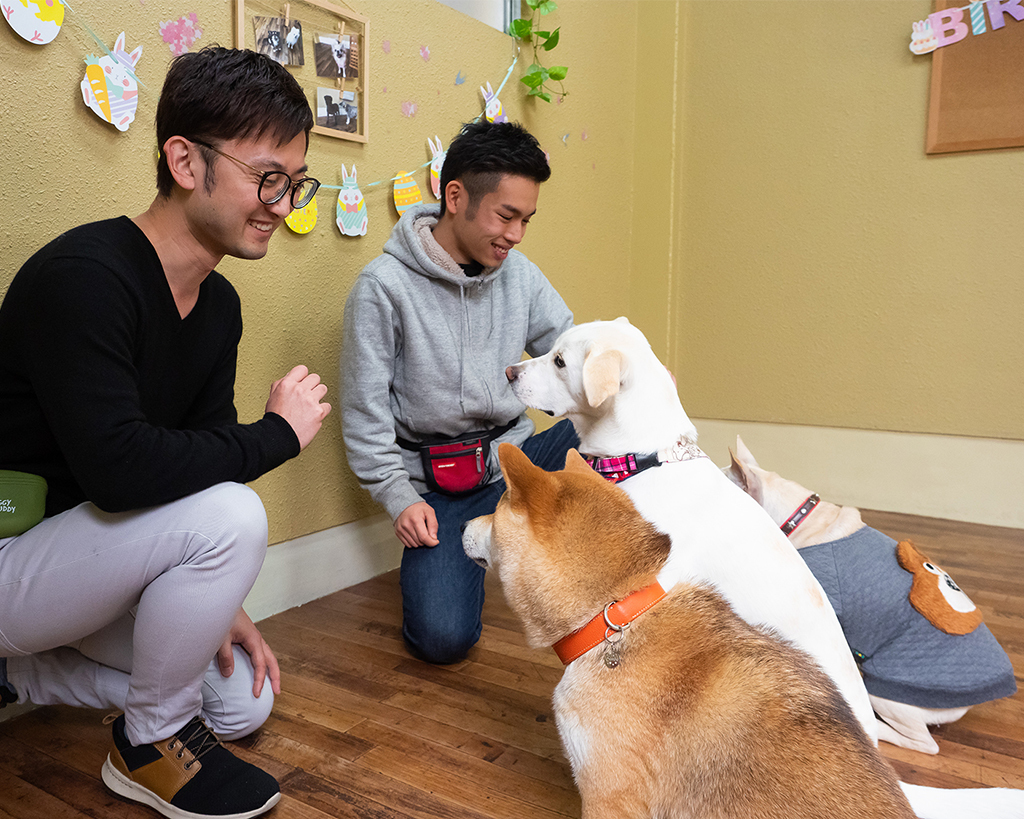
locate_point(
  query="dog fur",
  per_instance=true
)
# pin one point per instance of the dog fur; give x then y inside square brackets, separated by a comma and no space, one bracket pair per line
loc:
[605,378]
[705,716]
[900,723]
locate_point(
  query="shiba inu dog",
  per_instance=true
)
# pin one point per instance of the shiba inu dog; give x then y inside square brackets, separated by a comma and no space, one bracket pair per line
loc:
[685,710]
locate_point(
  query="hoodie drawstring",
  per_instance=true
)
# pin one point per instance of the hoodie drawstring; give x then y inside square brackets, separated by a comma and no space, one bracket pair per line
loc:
[463,328]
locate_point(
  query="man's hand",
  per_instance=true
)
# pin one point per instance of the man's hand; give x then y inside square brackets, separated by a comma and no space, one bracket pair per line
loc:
[417,526]
[298,398]
[264,663]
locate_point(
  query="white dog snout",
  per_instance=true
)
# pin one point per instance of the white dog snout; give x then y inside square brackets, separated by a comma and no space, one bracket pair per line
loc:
[476,540]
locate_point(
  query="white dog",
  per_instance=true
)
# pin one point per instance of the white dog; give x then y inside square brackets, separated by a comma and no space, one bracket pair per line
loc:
[926,655]
[622,401]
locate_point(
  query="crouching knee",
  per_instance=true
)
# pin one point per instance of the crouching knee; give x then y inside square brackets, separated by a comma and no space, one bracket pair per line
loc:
[438,644]
[229,706]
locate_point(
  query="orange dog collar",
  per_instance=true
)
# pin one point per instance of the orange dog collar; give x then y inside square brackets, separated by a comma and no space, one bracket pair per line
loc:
[614,618]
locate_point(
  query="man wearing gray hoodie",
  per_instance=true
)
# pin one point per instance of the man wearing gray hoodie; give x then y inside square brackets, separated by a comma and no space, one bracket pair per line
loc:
[429,327]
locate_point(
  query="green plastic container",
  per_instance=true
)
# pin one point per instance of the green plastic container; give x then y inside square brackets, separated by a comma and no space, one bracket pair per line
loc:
[22,501]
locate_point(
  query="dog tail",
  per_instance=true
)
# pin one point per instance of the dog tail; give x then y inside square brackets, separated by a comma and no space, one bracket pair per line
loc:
[964,803]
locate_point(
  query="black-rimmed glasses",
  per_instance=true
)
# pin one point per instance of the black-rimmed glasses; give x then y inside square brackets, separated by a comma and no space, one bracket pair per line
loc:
[275,184]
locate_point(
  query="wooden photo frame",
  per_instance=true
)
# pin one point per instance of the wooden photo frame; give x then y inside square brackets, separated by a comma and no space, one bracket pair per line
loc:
[334,69]
[977,90]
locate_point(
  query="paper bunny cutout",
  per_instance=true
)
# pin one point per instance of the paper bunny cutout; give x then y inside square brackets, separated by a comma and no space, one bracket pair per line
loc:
[352,216]
[493,110]
[110,88]
[438,152]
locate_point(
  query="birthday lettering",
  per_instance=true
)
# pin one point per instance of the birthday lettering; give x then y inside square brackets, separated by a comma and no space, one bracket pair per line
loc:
[948,26]
[998,8]
[943,28]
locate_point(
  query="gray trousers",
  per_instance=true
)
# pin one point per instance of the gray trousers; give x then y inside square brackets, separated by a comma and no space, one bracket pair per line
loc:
[127,611]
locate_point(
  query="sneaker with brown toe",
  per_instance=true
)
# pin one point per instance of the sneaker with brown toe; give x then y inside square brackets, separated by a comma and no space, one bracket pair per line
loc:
[191,775]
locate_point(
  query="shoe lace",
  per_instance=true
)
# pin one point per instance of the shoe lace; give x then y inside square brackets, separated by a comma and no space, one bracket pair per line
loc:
[197,737]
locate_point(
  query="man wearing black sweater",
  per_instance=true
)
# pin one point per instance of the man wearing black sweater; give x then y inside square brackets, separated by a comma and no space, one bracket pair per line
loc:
[117,378]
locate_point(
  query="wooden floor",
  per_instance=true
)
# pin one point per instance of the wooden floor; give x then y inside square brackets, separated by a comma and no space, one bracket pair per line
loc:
[363,730]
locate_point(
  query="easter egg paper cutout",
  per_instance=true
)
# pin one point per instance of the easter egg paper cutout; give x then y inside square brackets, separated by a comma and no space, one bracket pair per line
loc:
[37,21]
[303,220]
[407,192]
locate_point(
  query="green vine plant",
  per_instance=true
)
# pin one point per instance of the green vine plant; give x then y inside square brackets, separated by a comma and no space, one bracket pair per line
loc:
[537,77]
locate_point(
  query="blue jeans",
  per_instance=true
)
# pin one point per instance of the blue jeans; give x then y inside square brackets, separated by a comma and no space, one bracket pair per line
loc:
[442,589]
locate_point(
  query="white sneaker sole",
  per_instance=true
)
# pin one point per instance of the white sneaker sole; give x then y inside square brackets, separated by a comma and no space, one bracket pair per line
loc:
[125,787]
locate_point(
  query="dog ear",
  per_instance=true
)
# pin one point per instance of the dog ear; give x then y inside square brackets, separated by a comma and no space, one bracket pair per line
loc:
[622,320]
[745,454]
[748,478]
[574,463]
[601,374]
[521,476]
[734,471]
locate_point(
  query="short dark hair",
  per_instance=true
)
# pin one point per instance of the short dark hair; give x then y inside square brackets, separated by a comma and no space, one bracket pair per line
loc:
[484,152]
[218,94]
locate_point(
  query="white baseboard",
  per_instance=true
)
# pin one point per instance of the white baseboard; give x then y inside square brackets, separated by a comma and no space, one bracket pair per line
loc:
[978,480]
[313,566]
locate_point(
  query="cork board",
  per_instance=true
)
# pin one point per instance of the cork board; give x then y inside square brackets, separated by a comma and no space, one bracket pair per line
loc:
[977,89]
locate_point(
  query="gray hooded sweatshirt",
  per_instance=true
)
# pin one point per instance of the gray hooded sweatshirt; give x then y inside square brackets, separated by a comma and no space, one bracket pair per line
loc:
[424,351]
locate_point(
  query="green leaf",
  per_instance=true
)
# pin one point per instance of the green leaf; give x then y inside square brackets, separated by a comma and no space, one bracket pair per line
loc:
[544,95]
[542,34]
[521,29]
[552,41]
[533,81]
[558,72]
[534,3]
[545,6]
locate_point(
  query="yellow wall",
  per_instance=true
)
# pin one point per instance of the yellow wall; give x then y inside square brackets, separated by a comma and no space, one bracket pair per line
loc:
[833,274]
[744,179]
[63,166]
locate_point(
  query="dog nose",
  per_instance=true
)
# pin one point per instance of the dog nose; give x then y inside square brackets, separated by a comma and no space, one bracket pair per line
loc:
[511,373]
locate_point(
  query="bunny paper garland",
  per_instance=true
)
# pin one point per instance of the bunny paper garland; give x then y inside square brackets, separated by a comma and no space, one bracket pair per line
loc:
[438,153]
[110,87]
[352,216]
[493,110]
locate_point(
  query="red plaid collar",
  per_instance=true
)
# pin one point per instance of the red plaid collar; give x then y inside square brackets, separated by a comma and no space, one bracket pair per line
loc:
[620,467]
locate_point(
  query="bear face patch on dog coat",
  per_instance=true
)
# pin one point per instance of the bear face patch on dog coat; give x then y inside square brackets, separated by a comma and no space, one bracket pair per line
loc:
[935,595]
[902,654]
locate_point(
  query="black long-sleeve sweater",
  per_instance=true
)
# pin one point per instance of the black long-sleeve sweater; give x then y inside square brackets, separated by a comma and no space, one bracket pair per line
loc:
[108,393]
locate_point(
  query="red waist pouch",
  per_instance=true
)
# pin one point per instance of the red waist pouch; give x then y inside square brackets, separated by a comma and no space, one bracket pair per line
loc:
[457,466]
